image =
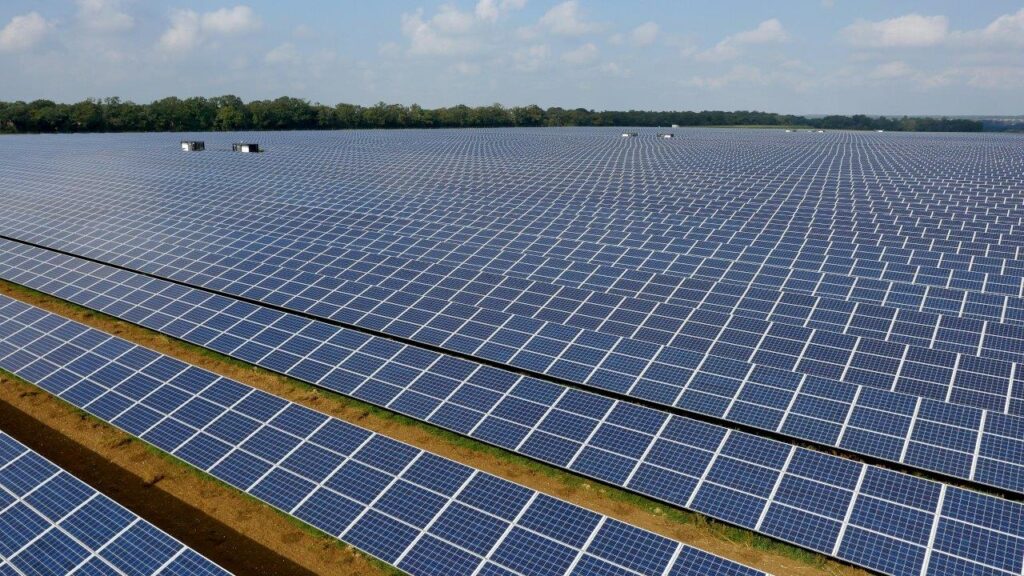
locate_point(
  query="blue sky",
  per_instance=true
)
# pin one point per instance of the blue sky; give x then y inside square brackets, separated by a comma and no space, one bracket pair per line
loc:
[794,56]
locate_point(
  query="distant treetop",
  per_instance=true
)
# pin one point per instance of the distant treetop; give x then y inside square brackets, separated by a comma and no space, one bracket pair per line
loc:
[224,113]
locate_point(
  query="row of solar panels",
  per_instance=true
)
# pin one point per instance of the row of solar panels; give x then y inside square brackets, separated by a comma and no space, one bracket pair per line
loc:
[798,248]
[422,513]
[681,192]
[53,523]
[593,297]
[821,502]
[420,312]
[859,228]
[586,304]
[839,283]
[950,333]
[637,234]
[958,441]
[602,225]
[412,290]
[675,191]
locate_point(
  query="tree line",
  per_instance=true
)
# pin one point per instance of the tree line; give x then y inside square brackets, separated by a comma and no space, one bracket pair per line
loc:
[224,113]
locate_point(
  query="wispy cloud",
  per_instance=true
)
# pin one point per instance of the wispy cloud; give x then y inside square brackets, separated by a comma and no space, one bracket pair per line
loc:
[104,15]
[644,34]
[911,30]
[767,32]
[1006,30]
[451,31]
[585,54]
[492,10]
[24,32]
[567,19]
[189,28]
[738,74]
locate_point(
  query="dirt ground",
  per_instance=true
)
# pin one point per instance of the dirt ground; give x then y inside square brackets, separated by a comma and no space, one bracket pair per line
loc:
[235,531]
[248,538]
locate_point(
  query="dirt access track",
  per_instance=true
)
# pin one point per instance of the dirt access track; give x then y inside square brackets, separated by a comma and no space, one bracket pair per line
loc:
[248,537]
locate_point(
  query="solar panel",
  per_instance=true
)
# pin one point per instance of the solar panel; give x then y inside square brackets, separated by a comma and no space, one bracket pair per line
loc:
[232,264]
[705,373]
[610,342]
[853,290]
[420,512]
[286,454]
[515,412]
[53,523]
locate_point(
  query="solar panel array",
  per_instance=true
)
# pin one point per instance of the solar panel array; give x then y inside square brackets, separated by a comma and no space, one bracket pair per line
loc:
[728,367]
[858,291]
[479,313]
[984,447]
[418,511]
[53,523]
[821,502]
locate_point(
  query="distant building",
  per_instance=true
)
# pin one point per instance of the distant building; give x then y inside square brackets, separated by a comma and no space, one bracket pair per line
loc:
[193,145]
[675,125]
[246,147]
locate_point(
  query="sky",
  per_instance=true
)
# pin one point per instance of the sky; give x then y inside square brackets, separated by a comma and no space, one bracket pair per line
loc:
[792,56]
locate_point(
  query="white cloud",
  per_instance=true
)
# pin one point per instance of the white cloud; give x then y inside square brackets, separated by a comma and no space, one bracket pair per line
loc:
[444,34]
[910,31]
[491,10]
[582,55]
[285,53]
[104,15]
[189,28]
[466,68]
[451,31]
[230,20]
[899,71]
[23,32]
[1007,29]
[614,69]
[739,74]
[183,33]
[996,77]
[889,70]
[531,58]
[451,20]
[644,34]
[767,32]
[565,19]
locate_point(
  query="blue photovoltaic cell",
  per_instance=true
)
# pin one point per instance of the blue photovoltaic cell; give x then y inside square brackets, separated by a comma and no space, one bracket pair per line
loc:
[53,523]
[919,432]
[380,495]
[859,291]
[811,499]
[668,307]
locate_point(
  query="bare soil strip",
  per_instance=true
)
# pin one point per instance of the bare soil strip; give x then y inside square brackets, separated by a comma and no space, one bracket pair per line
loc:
[299,546]
[235,531]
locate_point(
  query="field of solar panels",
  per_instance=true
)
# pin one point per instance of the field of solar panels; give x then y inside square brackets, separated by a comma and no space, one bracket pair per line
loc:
[812,340]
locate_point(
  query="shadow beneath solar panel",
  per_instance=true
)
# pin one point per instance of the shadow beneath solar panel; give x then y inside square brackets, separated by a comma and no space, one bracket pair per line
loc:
[212,538]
